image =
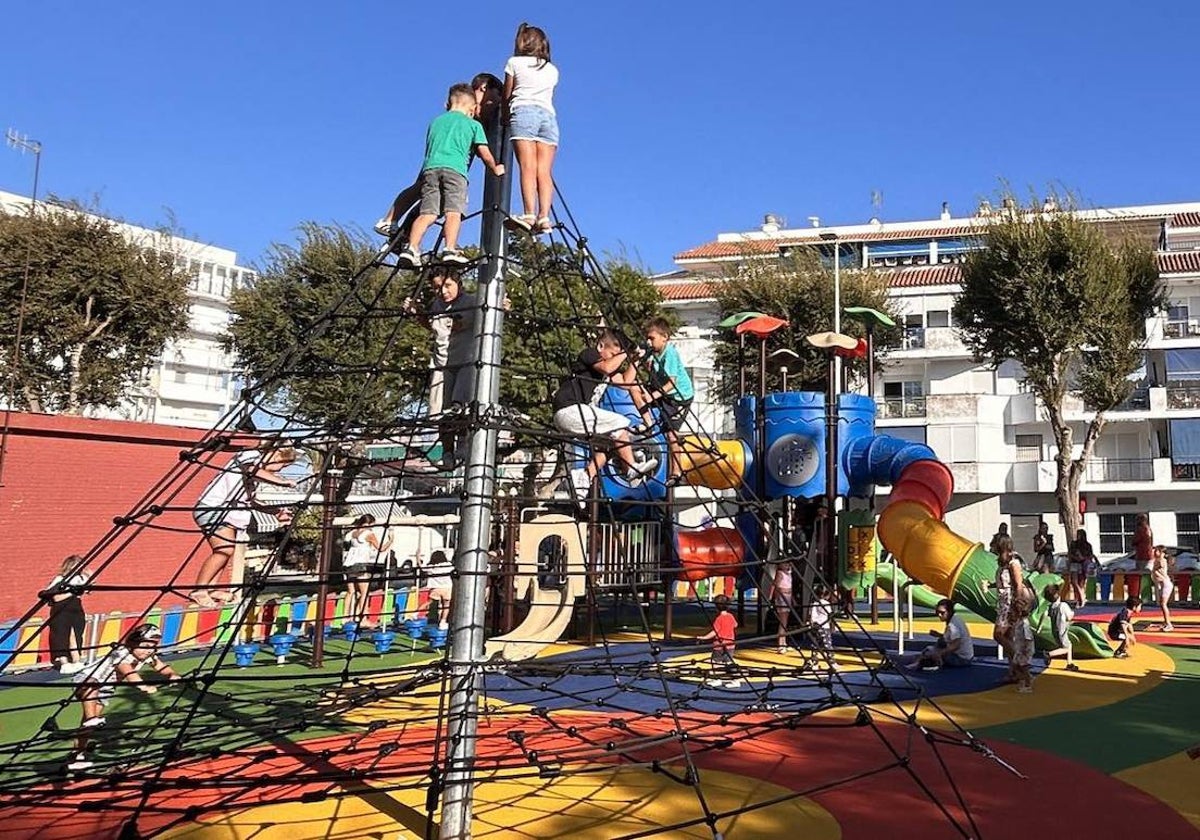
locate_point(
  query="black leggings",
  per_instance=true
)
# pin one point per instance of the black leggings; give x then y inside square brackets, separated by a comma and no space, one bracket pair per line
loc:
[64,622]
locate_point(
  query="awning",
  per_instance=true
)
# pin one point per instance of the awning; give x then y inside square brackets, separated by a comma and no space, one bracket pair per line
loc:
[1183,365]
[899,249]
[1185,441]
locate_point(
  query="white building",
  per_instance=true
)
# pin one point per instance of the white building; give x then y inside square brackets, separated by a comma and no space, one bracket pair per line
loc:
[980,421]
[192,384]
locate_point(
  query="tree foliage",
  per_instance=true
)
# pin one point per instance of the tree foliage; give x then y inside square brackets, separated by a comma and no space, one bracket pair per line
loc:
[97,310]
[556,307]
[368,364]
[1068,299]
[325,344]
[799,289]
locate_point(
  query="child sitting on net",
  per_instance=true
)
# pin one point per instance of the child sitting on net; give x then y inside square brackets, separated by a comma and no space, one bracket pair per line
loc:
[450,143]
[97,684]
[576,412]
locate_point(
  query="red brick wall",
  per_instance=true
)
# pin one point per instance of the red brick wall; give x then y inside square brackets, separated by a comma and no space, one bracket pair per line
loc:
[64,480]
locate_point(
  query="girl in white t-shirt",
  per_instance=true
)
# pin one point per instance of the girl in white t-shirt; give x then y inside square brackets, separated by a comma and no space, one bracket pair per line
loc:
[529,82]
[359,564]
[223,513]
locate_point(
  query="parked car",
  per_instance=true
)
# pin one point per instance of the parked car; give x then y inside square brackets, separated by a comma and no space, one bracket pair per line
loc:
[1186,560]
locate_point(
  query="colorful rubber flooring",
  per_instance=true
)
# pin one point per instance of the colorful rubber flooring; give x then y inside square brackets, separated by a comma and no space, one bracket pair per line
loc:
[1098,753]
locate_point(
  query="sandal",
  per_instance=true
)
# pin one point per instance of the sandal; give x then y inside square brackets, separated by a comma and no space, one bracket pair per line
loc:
[202,599]
[222,596]
[523,222]
[543,225]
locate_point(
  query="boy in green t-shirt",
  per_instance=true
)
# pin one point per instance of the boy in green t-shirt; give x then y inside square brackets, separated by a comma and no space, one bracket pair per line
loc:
[450,142]
[670,389]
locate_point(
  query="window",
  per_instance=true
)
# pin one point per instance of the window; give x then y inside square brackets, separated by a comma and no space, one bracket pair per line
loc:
[1187,530]
[938,317]
[1177,312]
[1116,532]
[903,389]
[1029,447]
[911,321]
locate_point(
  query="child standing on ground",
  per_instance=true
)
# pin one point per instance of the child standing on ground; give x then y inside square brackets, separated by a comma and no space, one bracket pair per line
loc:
[820,616]
[1163,585]
[1120,629]
[450,142]
[67,619]
[1061,615]
[529,82]
[97,684]
[670,388]
[779,594]
[723,637]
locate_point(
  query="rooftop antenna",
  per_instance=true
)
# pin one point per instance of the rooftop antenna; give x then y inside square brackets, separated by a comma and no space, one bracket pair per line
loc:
[23,144]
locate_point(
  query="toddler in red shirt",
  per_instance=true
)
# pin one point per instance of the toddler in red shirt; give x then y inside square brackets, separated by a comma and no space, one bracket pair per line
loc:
[723,637]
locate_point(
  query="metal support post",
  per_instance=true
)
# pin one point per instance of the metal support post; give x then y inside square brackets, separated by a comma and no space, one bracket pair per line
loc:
[329,484]
[829,569]
[467,614]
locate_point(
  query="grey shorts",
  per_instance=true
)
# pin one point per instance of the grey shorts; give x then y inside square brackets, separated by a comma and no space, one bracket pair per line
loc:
[443,191]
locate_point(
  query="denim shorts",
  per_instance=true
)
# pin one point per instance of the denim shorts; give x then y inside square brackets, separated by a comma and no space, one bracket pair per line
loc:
[532,122]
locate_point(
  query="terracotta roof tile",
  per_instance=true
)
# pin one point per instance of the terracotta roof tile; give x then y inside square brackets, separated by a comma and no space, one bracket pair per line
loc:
[694,290]
[1179,262]
[716,250]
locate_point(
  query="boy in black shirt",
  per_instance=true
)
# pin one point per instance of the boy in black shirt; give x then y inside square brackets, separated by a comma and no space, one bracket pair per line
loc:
[576,413]
[1120,629]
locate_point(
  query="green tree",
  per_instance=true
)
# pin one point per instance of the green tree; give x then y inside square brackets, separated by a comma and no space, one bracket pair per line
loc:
[97,310]
[325,344]
[1068,300]
[799,289]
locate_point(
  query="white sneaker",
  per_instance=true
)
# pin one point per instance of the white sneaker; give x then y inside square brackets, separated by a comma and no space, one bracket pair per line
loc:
[444,625]
[409,257]
[736,683]
[80,762]
[453,256]
[640,470]
[384,228]
[91,723]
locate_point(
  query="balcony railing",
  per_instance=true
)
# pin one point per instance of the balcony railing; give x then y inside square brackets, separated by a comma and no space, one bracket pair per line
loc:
[1185,472]
[1105,470]
[1138,400]
[894,408]
[1183,396]
[1181,329]
[913,338]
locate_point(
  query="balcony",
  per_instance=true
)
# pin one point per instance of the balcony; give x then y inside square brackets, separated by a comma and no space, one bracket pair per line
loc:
[1183,397]
[1181,329]
[913,338]
[899,408]
[1185,472]
[1138,400]
[1112,470]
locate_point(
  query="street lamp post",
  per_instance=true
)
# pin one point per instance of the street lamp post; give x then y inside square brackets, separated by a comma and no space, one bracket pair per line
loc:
[22,144]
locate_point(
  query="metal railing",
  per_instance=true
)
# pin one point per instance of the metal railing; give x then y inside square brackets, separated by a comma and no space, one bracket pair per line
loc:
[1183,396]
[1181,329]
[1102,470]
[913,338]
[894,408]
[1185,472]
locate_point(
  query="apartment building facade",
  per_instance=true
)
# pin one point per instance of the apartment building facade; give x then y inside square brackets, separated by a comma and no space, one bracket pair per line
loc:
[192,382]
[981,421]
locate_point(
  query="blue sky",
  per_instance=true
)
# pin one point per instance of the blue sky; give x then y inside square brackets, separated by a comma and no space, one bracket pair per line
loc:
[678,120]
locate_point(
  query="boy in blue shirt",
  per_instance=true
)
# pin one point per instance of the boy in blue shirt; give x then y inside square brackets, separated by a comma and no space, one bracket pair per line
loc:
[670,388]
[450,142]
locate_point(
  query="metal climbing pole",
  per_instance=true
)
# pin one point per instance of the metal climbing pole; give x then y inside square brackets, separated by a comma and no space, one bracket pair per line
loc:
[467,615]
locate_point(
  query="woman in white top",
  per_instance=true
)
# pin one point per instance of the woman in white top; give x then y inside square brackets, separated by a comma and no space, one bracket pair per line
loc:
[529,82]
[223,513]
[366,552]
